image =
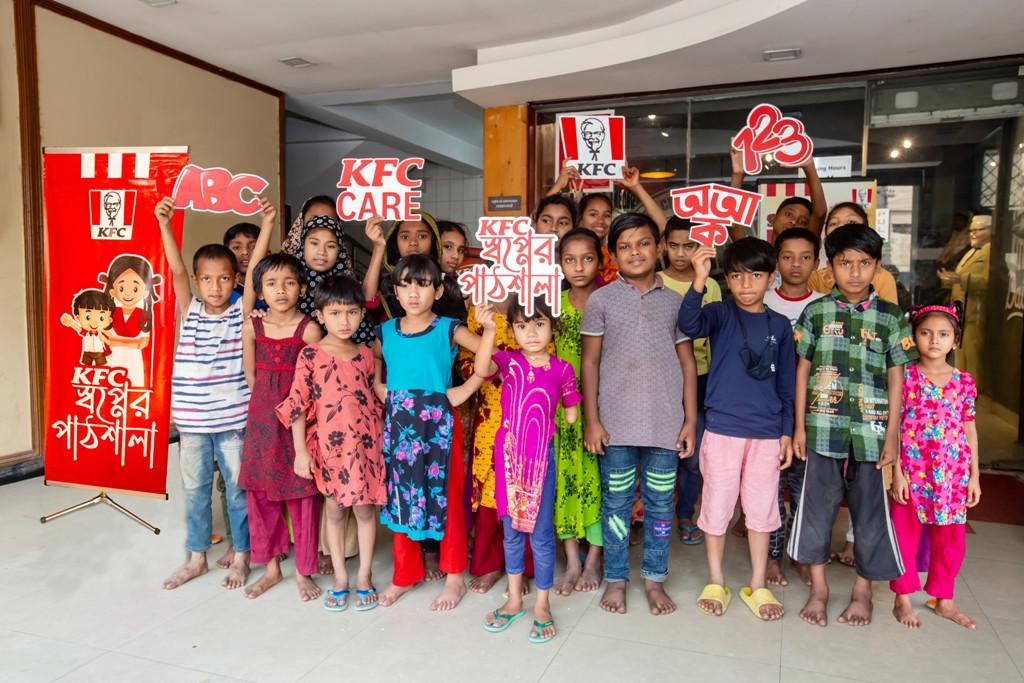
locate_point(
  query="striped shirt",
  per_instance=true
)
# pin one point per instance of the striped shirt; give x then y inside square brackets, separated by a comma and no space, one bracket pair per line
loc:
[209,393]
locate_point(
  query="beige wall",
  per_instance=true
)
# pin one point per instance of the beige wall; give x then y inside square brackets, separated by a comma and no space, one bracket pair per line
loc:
[15,415]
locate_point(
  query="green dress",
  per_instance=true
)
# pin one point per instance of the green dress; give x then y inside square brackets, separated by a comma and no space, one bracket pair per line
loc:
[578,484]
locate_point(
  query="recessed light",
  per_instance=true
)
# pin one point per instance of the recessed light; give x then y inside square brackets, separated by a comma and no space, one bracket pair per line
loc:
[664,133]
[907,143]
[160,3]
[296,62]
[782,55]
[652,116]
[894,153]
[657,175]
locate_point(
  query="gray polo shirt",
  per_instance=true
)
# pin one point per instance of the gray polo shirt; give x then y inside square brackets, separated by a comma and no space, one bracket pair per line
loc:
[640,396]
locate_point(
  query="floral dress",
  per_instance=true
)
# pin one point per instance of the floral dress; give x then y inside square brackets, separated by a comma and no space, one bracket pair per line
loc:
[343,424]
[935,455]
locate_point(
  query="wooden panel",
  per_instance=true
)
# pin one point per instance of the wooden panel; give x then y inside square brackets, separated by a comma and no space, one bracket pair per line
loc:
[505,157]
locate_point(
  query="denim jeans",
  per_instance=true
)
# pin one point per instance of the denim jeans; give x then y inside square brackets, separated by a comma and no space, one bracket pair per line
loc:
[542,538]
[197,455]
[690,480]
[657,468]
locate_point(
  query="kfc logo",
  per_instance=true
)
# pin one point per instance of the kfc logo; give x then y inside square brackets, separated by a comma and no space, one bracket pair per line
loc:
[594,143]
[111,214]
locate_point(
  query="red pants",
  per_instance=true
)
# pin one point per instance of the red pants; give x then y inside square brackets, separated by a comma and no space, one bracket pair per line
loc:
[948,545]
[488,545]
[268,531]
[407,553]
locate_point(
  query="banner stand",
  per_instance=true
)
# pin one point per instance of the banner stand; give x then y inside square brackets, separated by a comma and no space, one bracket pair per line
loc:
[101,497]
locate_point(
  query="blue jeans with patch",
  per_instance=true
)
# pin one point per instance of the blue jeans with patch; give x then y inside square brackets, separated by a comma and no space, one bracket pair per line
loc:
[197,453]
[690,479]
[657,469]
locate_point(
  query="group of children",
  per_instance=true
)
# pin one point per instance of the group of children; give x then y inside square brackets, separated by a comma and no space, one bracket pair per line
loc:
[311,391]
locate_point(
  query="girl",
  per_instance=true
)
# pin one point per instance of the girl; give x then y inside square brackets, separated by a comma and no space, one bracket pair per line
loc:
[422,439]
[936,477]
[333,392]
[131,282]
[320,205]
[270,347]
[554,214]
[532,383]
[578,478]
[453,246]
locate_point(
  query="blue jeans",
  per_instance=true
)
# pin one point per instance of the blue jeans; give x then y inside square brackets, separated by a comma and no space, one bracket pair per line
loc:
[690,481]
[542,538]
[197,455]
[618,489]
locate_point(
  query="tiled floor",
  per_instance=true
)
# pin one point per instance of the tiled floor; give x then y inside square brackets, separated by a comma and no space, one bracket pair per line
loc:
[80,600]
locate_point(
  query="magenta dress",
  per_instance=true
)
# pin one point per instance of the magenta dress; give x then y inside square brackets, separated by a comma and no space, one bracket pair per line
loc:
[522,446]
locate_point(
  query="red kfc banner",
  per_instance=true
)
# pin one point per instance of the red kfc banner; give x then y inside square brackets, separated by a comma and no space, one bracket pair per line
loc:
[109,317]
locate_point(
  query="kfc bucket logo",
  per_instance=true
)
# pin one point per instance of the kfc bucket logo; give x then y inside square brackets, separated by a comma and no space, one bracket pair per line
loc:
[111,214]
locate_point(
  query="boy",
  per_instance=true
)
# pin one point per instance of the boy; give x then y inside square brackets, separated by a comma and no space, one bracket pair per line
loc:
[854,345]
[640,402]
[209,397]
[749,415]
[678,276]
[793,212]
[240,238]
[796,253]
[93,315]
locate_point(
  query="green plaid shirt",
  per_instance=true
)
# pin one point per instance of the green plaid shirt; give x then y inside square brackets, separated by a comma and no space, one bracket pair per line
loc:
[850,348]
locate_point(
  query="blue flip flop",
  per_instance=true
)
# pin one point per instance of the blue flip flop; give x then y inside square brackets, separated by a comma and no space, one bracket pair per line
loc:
[687,534]
[539,627]
[361,603]
[340,600]
[509,618]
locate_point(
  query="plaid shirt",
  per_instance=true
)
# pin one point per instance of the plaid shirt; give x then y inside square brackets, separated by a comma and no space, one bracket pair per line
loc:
[850,348]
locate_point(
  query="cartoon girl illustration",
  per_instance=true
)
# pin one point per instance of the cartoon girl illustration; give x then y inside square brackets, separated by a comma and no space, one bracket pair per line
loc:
[131,282]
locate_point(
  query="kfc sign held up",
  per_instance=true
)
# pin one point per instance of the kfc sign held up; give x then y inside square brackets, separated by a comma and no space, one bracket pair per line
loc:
[594,143]
[379,187]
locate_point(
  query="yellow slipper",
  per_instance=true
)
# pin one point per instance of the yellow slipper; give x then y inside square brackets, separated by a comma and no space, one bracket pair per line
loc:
[715,593]
[755,600]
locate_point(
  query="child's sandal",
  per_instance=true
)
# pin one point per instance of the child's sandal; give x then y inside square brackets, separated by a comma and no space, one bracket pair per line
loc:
[538,627]
[340,599]
[363,603]
[715,593]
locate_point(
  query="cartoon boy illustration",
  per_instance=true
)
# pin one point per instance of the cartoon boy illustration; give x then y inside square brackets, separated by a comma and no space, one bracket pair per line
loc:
[93,316]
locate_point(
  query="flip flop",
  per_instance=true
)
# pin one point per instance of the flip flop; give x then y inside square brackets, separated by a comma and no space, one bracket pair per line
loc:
[539,627]
[687,534]
[499,627]
[362,605]
[755,600]
[715,593]
[340,600]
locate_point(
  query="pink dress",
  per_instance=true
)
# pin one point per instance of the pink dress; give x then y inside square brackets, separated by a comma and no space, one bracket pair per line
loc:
[523,444]
[935,455]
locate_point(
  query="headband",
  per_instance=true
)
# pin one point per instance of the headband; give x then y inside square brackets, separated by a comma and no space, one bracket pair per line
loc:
[935,308]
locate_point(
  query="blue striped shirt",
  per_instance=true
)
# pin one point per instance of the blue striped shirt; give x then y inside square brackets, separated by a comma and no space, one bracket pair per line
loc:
[208,389]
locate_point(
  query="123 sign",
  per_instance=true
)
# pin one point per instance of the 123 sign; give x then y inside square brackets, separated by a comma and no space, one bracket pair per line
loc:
[769,132]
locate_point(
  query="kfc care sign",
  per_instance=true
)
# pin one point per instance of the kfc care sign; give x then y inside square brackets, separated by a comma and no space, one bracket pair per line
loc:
[379,187]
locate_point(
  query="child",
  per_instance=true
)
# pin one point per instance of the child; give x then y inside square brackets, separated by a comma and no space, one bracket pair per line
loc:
[131,282]
[855,345]
[270,348]
[749,415]
[533,382]
[453,246]
[640,405]
[320,205]
[336,425]
[578,476]
[554,214]
[678,276]
[240,238]
[821,280]
[93,310]
[796,257]
[936,477]
[209,397]
[793,212]
[422,440]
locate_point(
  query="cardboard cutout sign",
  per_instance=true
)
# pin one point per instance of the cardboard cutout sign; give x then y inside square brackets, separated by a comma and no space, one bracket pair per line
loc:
[594,143]
[379,187]
[218,190]
[769,132]
[713,208]
[520,262]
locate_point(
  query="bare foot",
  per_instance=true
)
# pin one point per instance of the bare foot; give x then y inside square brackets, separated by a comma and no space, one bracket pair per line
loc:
[451,595]
[858,612]
[657,598]
[484,583]
[566,583]
[324,566]
[227,558]
[904,612]
[432,567]
[391,595]
[238,572]
[196,566]
[946,609]
[526,588]
[804,571]
[270,578]
[614,598]
[845,556]
[774,574]
[739,529]
[589,580]
[815,611]
[308,590]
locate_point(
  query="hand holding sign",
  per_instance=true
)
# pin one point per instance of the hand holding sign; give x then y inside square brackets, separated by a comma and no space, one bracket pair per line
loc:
[713,208]
[217,190]
[379,187]
[769,132]
[702,261]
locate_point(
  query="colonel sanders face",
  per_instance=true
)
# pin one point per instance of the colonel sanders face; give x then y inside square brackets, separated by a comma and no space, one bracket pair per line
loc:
[592,132]
[112,205]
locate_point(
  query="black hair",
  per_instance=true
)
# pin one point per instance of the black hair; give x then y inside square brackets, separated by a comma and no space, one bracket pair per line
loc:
[144,269]
[797,234]
[338,289]
[917,317]
[418,268]
[676,223]
[587,235]
[313,201]
[629,221]
[749,255]
[391,253]
[214,252]
[856,237]
[802,201]
[592,197]
[852,206]
[560,200]
[451,226]
[517,312]
[93,299]
[247,229]
[277,262]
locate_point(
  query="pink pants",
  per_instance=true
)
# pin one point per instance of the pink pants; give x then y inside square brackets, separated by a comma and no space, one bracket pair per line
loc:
[948,544]
[268,531]
[733,468]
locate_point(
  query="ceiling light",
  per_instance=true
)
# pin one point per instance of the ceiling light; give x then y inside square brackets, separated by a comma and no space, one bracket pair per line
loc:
[160,3]
[652,116]
[894,153]
[907,143]
[783,55]
[296,62]
[664,133]
[658,175]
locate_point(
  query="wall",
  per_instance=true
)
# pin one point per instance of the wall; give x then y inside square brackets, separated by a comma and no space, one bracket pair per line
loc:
[15,418]
[452,195]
